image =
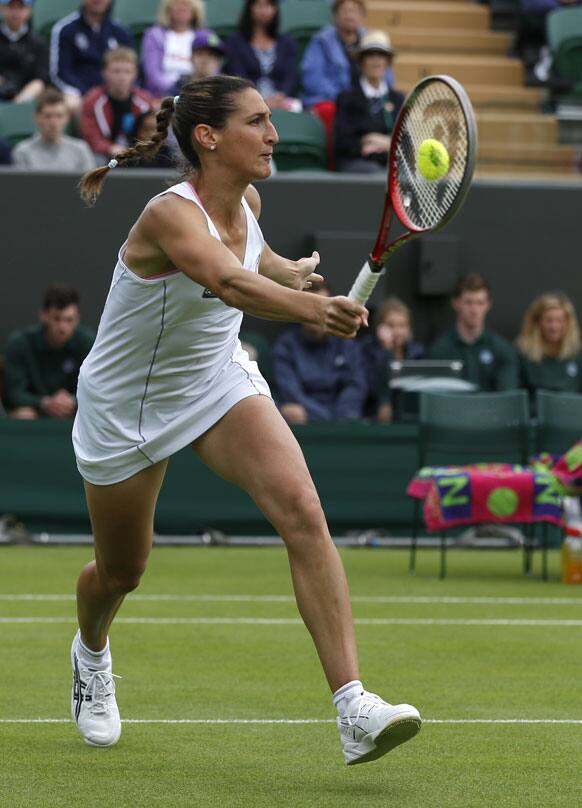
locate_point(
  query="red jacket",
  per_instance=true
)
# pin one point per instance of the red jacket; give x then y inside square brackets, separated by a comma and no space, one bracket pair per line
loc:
[97,117]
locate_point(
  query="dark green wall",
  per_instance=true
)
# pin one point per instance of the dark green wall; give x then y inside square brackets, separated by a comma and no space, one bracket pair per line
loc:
[524,237]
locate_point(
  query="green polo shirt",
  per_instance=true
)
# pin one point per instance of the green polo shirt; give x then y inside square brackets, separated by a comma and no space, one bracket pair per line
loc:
[33,369]
[561,375]
[490,362]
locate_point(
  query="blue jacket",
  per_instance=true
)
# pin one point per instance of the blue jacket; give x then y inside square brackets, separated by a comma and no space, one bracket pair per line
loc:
[327,377]
[326,69]
[77,50]
[242,61]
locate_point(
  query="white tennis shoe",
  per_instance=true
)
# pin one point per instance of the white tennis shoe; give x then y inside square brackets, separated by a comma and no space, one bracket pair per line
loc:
[371,727]
[93,704]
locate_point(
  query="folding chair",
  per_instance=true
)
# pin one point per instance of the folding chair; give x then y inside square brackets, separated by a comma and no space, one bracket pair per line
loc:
[302,19]
[457,428]
[137,16]
[222,16]
[302,142]
[564,34]
[47,12]
[17,121]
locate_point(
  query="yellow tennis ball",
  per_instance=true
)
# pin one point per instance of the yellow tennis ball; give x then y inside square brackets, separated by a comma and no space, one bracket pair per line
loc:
[433,160]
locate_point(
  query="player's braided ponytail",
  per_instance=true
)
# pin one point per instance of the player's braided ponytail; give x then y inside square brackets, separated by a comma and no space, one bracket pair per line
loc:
[92,182]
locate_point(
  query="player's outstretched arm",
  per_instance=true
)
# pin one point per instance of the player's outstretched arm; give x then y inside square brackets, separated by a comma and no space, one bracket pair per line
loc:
[182,234]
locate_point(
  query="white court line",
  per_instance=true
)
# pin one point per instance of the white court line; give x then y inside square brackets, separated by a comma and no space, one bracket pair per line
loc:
[283,621]
[290,599]
[575,721]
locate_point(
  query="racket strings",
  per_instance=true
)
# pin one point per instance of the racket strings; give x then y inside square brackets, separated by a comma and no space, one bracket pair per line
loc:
[434,113]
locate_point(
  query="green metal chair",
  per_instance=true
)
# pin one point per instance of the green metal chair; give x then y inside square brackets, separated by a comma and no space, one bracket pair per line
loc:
[17,121]
[222,16]
[302,19]
[564,34]
[457,428]
[47,12]
[302,144]
[559,423]
[137,15]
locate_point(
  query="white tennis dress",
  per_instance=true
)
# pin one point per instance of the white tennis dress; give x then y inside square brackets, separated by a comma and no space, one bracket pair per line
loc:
[166,365]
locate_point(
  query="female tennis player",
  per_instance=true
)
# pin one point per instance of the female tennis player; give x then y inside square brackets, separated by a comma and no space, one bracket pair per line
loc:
[167,370]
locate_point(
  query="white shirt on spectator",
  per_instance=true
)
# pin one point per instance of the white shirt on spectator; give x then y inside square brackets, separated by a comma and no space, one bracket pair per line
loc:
[178,54]
[69,154]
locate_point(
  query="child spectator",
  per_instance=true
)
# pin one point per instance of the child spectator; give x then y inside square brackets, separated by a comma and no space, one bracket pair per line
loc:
[51,149]
[23,56]
[166,53]
[144,128]
[258,52]
[42,362]
[78,44]
[366,113]
[549,345]
[318,378]
[109,111]
[489,360]
[390,341]
[207,57]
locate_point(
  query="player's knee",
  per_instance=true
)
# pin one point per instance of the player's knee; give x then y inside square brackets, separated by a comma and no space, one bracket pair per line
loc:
[303,512]
[123,580]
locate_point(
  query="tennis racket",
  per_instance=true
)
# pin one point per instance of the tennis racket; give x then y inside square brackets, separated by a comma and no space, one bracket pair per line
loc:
[437,108]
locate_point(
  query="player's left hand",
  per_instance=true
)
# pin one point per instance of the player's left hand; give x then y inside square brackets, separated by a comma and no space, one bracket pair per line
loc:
[303,273]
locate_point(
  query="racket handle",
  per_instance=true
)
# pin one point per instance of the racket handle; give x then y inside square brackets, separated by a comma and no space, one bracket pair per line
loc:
[364,284]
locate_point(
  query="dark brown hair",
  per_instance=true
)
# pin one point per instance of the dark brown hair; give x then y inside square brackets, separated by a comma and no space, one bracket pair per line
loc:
[203,101]
[60,296]
[472,282]
[49,98]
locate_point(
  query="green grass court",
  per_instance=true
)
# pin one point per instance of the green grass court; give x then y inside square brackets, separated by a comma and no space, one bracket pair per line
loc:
[213,633]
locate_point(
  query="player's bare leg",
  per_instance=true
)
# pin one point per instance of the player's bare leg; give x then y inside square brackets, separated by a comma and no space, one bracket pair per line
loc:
[122,520]
[253,447]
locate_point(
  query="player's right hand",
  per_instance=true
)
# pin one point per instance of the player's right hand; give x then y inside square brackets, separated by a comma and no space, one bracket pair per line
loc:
[342,317]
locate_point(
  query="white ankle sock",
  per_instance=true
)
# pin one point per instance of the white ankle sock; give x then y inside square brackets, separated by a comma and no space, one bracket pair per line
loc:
[95,660]
[344,694]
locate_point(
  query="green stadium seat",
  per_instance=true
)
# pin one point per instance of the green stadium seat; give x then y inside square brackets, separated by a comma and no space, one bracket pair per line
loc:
[222,16]
[17,121]
[564,34]
[302,19]
[458,428]
[559,421]
[137,15]
[47,12]
[302,144]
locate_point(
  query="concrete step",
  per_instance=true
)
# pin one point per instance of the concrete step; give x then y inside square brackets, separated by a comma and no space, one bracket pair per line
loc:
[492,98]
[486,43]
[515,127]
[539,156]
[390,14]
[412,67]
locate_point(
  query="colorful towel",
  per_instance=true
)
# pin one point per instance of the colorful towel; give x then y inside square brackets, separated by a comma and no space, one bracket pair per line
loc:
[568,469]
[465,495]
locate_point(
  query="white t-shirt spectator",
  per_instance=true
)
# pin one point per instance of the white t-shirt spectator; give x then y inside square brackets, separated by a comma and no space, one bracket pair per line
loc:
[68,154]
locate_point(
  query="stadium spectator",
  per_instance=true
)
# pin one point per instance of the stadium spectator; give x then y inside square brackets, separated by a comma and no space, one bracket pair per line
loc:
[366,113]
[207,57]
[78,44]
[391,340]
[109,111]
[5,153]
[257,51]
[23,56]
[51,149]
[549,345]
[530,43]
[318,377]
[143,130]
[166,52]
[489,360]
[42,361]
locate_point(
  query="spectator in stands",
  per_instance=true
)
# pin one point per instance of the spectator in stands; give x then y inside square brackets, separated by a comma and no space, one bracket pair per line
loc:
[51,149]
[5,153]
[78,44]
[42,362]
[390,341]
[23,56]
[207,58]
[258,52]
[366,113]
[144,128]
[318,378]
[166,52]
[109,111]
[530,41]
[489,360]
[549,345]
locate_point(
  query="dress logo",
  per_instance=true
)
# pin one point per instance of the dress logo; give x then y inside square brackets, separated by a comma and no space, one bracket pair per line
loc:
[208,293]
